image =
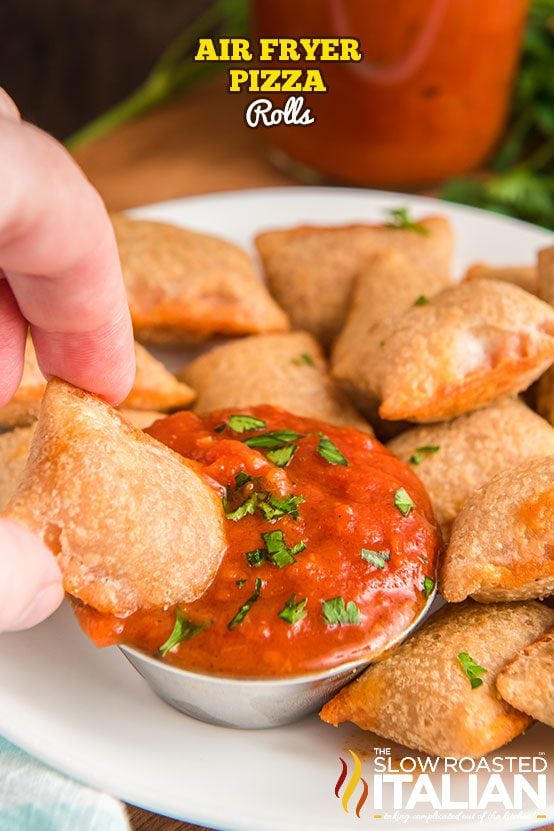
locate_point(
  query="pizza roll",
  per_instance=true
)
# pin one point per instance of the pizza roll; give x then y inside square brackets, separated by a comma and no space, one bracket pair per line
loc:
[184,286]
[131,523]
[311,270]
[436,692]
[527,682]
[469,345]
[524,276]
[454,458]
[545,391]
[387,286]
[287,371]
[502,542]
[154,389]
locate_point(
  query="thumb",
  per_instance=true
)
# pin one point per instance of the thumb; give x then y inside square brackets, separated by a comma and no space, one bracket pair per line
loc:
[30,580]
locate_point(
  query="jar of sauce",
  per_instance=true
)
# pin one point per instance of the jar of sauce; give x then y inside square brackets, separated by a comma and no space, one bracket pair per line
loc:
[427,102]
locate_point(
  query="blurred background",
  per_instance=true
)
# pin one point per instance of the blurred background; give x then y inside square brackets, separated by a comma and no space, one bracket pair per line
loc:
[455,97]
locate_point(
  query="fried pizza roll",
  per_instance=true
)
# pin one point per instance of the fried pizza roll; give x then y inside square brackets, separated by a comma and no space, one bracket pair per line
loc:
[131,523]
[545,391]
[502,542]
[454,458]
[184,286]
[527,682]
[469,345]
[287,371]
[154,389]
[436,692]
[524,276]
[311,270]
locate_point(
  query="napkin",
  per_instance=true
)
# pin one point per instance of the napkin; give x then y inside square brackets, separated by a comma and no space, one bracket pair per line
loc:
[34,797]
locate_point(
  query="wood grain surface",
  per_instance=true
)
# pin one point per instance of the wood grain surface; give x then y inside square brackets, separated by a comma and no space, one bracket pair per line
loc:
[197,144]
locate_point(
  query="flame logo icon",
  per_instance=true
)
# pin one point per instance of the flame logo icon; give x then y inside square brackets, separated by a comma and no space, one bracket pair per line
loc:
[351,784]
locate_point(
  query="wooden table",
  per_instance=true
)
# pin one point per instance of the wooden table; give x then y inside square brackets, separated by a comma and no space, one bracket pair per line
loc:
[198,144]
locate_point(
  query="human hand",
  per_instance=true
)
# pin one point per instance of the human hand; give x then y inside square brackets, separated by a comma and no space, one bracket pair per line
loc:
[60,277]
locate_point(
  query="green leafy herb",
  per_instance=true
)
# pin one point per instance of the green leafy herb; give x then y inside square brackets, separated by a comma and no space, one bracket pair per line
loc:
[294,610]
[240,583]
[471,669]
[275,508]
[304,358]
[421,300]
[400,218]
[183,630]
[274,439]
[247,507]
[335,611]
[330,452]
[403,501]
[256,557]
[277,550]
[428,586]
[242,478]
[246,606]
[244,423]
[376,558]
[421,452]
[220,428]
[282,455]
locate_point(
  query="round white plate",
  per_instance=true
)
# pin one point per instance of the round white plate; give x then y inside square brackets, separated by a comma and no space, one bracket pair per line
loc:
[88,713]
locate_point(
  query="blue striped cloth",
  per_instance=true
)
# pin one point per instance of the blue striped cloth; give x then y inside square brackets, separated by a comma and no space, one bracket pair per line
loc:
[34,797]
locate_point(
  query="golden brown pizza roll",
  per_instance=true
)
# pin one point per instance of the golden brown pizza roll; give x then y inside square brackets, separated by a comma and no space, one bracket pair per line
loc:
[184,286]
[131,523]
[154,389]
[527,682]
[311,270]
[524,276]
[545,390]
[454,458]
[502,542]
[469,345]
[287,371]
[436,692]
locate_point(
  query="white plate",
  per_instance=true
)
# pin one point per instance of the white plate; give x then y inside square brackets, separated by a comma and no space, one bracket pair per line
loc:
[86,711]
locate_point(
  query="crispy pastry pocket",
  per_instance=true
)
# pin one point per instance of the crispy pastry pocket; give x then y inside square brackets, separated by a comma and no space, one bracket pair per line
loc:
[131,523]
[527,682]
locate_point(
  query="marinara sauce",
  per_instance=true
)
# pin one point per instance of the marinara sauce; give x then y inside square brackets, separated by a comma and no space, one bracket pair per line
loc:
[332,549]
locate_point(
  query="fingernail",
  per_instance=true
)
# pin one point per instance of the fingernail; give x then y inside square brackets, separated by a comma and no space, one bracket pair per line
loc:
[43,604]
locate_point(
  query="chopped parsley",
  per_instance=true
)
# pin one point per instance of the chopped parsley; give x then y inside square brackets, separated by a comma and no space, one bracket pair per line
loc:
[256,557]
[421,452]
[240,583]
[400,219]
[246,606]
[247,507]
[422,300]
[183,630]
[335,611]
[330,452]
[428,586]
[244,423]
[281,456]
[403,501]
[273,439]
[294,610]
[471,669]
[376,558]
[220,428]
[278,551]
[304,358]
[275,508]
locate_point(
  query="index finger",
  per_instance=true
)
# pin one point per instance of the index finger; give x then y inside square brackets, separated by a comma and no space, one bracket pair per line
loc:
[58,252]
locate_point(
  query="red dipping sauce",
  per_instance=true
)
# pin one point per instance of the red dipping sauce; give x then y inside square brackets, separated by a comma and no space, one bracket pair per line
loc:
[327,516]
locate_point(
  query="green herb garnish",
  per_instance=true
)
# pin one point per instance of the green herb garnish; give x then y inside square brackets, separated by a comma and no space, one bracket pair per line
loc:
[335,611]
[376,558]
[240,583]
[403,501]
[256,557]
[220,428]
[246,606]
[274,439]
[275,508]
[247,507]
[421,300]
[277,550]
[244,423]
[471,669]
[400,218]
[428,586]
[294,610]
[330,452]
[304,358]
[421,452]
[183,630]
[282,455]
